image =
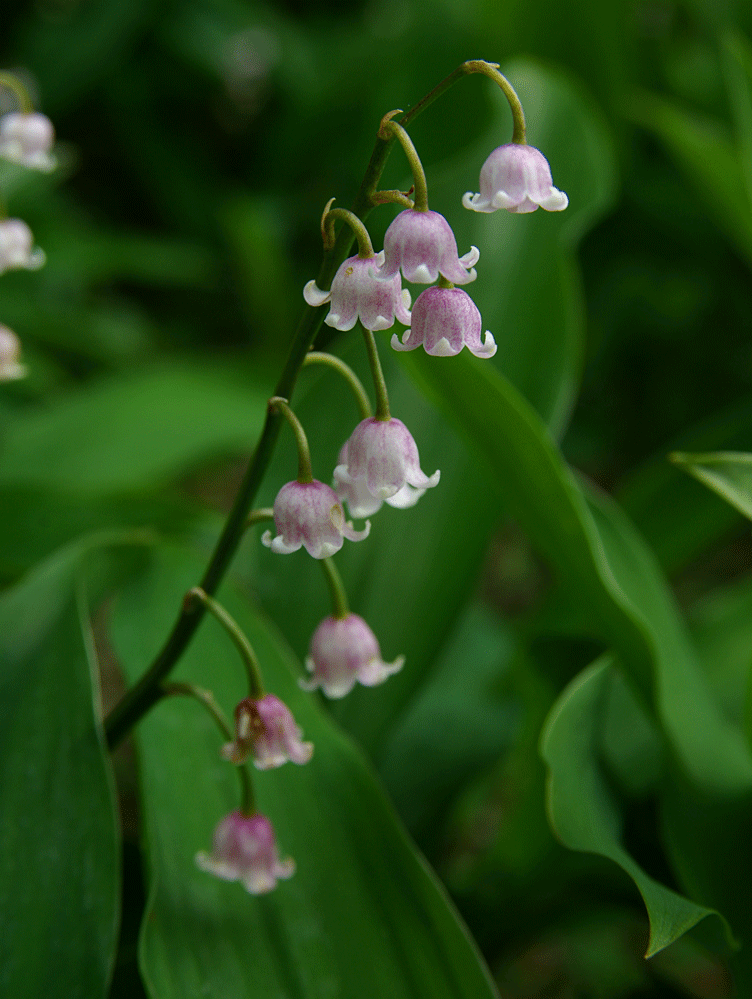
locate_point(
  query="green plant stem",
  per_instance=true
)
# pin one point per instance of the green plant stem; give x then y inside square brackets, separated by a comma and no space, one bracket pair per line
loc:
[379,382]
[233,629]
[305,472]
[336,588]
[206,699]
[365,246]
[389,128]
[20,92]
[145,692]
[259,516]
[320,357]
[491,70]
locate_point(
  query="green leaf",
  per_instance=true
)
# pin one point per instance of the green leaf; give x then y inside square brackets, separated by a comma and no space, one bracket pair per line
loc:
[135,432]
[727,473]
[709,157]
[363,915]
[59,866]
[601,558]
[583,810]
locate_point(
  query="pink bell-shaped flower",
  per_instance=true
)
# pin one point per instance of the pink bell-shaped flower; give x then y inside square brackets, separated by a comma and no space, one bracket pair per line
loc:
[518,178]
[444,321]
[265,729]
[244,849]
[423,245]
[310,514]
[357,293]
[10,351]
[345,651]
[383,455]
[27,139]
[362,503]
[16,247]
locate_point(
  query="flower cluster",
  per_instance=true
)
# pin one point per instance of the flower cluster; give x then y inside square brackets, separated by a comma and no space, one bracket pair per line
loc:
[378,463]
[26,138]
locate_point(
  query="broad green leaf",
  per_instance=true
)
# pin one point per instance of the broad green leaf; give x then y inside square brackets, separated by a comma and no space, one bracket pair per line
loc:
[362,915]
[602,561]
[135,432]
[727,473]
[711,160]
[583,810]
[59,866]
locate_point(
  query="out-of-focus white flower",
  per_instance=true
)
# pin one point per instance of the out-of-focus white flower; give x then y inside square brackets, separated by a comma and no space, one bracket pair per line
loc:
[27,139]
[17,251]
[265,730]
[345,651]
[244,849]
[10,352]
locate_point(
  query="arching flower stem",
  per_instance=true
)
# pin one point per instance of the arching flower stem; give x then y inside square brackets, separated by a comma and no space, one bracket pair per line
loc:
[12,83]
[305,473]
[340,608]
[259,516]
[320,357]
[491,70]
[233,629]
[389,128]
[206,699]
[379,383]
[365,246]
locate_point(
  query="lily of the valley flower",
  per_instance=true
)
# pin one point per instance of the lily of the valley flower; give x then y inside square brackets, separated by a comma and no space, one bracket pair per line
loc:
[345,651]
[27,139]
[310,514]
[444,321]
[244,849]
[16,247]
[422,244]
[362,503]
[357,293]
[382,455]
[516,177]
[10,351]
[265,730]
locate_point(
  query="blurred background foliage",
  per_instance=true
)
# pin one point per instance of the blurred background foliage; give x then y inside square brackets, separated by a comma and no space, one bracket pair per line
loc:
[198,143]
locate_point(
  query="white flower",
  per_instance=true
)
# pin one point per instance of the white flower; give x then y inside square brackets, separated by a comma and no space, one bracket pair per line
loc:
[444,321]
[516,177]
[357,293]
[423,245]
[16,251]
[10,351]
[310,514]
[382,455]
[265,729]
[362,503]
[244,849]
[345,651]
[27,139]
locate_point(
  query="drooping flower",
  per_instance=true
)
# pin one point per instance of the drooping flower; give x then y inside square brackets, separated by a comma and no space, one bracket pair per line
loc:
[244,849]
[423,245]
[362,503]
[311,515]
[27,139]
[356,293]
[10,351]
[444,321]
[345,651]
[382,455]
[16,242]
[518,178]
[265,729]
